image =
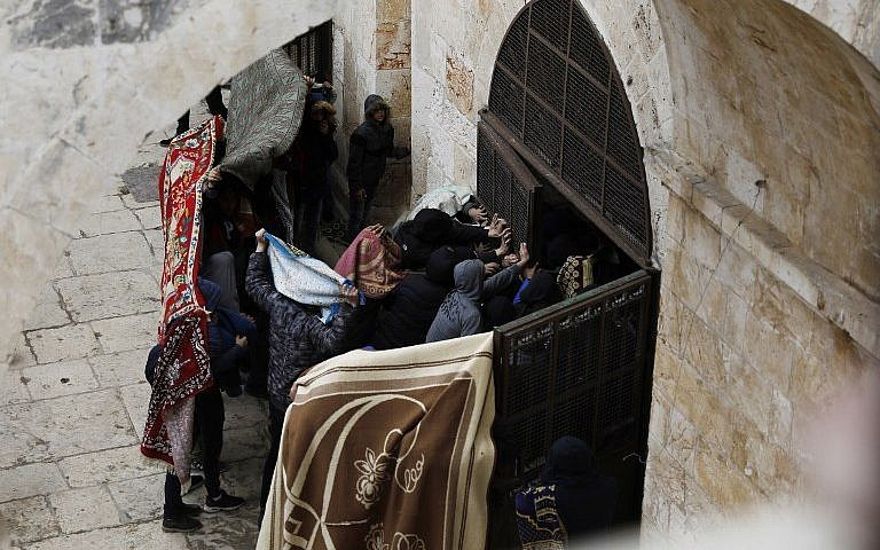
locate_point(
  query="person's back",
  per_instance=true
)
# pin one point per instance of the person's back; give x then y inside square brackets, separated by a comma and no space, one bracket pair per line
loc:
[407,313]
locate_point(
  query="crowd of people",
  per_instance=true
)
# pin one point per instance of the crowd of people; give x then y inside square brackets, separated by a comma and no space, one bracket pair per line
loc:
[449,269]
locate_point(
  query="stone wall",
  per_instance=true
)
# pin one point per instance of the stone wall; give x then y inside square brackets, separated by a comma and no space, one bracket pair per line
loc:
[768,300]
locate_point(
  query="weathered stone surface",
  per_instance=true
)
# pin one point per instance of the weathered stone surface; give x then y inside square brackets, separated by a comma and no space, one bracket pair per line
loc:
[141,498]
[57,379]
[108,253]
[227,531]
[126,333]
[84,509]
[57,344]
[137,401]
[129,537]
[245,411]
[14,390]
[48,312]
[150,217]
[120,369]
[54,24]
[116,221]
[29,480]
[93,297]
[108,466]
[29,519]
[135,21]
[65,426]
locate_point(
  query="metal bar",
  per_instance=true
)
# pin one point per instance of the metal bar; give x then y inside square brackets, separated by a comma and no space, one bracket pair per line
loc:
[557,51]
[522,121]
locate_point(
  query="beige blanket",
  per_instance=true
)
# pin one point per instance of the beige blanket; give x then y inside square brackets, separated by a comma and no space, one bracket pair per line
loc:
[387,450]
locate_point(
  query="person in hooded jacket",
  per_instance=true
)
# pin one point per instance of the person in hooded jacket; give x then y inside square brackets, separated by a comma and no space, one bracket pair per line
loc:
[460,314]
[369,147]
[432,229]
[408,311]
[298,340]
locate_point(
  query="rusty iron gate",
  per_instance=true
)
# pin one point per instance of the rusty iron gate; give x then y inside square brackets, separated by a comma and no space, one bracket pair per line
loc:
[582,368]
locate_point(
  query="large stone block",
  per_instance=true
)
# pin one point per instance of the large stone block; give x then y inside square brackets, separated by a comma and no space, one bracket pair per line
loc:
[29,519]
[29,480]
[138,535]
[126,333]
[107,466]
[84,509]
[57,344]
[106,295]
[106,253]
[58,379]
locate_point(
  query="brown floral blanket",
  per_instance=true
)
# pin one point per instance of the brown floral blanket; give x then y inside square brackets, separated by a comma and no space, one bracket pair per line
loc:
[387,450]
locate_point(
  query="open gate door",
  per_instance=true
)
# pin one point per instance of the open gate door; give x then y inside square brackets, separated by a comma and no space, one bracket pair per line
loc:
[506,186]
[581,368]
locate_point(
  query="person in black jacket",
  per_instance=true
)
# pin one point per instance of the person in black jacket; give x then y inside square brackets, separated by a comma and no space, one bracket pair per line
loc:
[408,311]
[432,229]
[297,340]
[369,147]
[315,151]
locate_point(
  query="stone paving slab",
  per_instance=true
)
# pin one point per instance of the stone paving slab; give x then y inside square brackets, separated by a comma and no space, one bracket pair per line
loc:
[150,217]
[86,509]
[48,312]
[129,537]
[137,400]
[107,466]
[126,333]
[120,369]
[107,203]
[93,297]
[30,480]
[29,519]
[108,253]
[65,426]
[14,390]
[69,342]
[117,221]
[141,498]
[57,379]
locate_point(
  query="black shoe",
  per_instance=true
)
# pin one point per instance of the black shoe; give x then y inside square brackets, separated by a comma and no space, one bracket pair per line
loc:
[165,142]
[190,510]
[194,483]
[182,524]
[223,503]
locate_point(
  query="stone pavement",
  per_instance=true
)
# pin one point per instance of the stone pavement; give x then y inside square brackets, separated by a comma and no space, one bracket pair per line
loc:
[74,402]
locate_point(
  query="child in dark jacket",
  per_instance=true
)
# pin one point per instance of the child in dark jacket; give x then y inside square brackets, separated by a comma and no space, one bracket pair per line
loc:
[369,147]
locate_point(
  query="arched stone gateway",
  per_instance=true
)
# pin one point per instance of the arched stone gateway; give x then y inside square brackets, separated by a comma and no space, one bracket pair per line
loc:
[558,135]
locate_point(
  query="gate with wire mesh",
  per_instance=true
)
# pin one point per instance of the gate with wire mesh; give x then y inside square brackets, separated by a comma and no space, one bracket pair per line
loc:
[581,368]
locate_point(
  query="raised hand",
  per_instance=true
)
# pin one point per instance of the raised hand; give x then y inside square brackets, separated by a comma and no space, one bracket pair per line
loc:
[241,341]
[491,269]
[523,255]
[262,241]
[350,294]
[506,237]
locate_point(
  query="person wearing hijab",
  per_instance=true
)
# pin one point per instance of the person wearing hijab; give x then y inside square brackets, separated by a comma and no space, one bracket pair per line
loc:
[585,498]
[460,314]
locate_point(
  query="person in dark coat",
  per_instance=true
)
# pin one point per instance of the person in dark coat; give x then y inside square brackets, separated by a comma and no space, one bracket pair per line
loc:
[432,228]
[408,311]
[585,498]
[369,147]
[297,340]
[315,151]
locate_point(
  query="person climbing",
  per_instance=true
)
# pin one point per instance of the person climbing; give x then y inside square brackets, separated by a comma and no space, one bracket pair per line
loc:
[371,144]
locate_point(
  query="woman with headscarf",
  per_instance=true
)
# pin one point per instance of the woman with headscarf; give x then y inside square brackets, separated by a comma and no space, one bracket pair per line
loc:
[573,499]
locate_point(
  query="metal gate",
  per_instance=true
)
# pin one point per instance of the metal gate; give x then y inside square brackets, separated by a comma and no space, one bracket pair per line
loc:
[582,368]
[506,186]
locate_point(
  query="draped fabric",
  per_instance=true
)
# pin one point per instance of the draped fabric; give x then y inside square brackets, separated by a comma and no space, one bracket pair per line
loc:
[372,263]
[304,279]
[183,368]
[450,199]
[387,450]
[537,519]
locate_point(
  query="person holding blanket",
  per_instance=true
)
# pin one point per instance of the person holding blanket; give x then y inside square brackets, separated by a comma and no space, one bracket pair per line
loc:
[298,340]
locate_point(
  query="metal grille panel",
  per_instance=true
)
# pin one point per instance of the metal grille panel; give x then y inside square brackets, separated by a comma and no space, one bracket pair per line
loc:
[312,52]
[506,186]
[556,91]
[579,365]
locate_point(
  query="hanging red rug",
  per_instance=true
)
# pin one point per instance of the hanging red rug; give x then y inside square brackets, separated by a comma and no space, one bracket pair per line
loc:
[183,369]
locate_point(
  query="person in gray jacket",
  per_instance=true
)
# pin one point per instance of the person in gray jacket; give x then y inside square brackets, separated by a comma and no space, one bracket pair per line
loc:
[460,314]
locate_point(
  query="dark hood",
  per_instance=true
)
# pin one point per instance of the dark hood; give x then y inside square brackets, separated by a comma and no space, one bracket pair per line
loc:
[374,103]
[569,458]
[441,265]
[432,225]
[469,279]
[211,292]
